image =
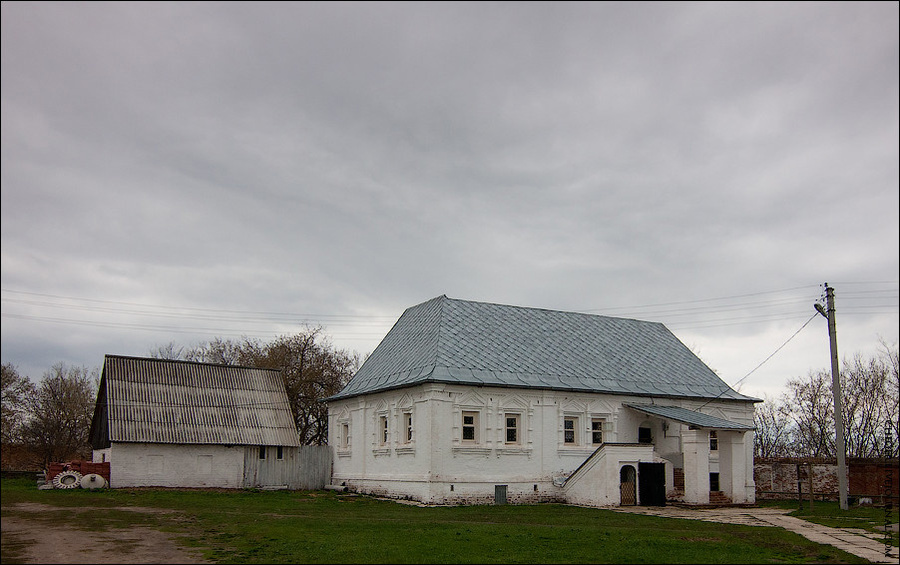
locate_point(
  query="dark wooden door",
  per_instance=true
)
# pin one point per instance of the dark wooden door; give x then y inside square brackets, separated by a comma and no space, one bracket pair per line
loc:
[652,484]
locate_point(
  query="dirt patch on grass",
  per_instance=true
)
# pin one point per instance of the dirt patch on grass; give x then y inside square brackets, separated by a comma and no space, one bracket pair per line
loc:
[31,535]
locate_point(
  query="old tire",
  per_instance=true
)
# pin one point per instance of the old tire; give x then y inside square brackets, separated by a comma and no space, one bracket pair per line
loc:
[93,481]
[67,479]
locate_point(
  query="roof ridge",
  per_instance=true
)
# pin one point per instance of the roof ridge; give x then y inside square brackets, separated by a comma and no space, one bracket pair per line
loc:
[550,310]
[438,354]
[186,362]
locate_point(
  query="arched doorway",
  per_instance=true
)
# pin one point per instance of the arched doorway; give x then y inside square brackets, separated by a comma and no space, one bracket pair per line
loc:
[627,486]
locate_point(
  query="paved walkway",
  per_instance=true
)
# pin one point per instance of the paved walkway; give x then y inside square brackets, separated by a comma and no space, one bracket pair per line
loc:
[856,541]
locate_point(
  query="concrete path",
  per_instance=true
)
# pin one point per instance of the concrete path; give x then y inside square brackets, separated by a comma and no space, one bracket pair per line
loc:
[856,541]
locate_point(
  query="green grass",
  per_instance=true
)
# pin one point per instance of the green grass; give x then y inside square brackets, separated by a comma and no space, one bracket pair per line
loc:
[328,527]
[868,518]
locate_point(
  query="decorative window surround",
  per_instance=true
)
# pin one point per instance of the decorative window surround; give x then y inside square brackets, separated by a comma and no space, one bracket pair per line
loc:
[470,425]
[343,436]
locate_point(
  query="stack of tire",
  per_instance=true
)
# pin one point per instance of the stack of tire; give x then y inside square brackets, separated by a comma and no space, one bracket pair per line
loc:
[74,479]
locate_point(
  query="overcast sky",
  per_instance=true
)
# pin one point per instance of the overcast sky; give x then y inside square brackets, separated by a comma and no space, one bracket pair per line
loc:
[176,172]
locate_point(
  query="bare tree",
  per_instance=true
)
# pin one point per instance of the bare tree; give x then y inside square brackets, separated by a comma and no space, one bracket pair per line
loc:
[16,389]
[774,429]
[169,351]
[311,368]
[60,413]
[865,399]
[224,352]
[812,409]
[870,400]
[890,356]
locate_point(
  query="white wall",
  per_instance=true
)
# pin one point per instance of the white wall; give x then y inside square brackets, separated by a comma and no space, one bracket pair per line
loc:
[174,465]
[438,466]
[593,486]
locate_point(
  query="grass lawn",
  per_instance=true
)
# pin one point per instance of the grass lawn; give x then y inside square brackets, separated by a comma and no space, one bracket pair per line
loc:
[327,527]
[869,518]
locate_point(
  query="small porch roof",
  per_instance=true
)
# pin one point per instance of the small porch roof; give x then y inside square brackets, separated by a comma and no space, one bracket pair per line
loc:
[690,417]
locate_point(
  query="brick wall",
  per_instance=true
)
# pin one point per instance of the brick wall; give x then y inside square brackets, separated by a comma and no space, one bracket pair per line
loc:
[678,479]
[867,476]
[777,477]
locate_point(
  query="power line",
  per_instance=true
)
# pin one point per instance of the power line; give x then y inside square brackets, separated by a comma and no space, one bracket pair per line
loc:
[698,300]
[763,361]
[189,308]
[680,315]
[893,294]
[166,329]
[776,351]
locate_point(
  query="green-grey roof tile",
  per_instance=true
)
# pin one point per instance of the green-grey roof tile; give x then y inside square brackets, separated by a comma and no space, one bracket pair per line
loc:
[459,341]
[690,417]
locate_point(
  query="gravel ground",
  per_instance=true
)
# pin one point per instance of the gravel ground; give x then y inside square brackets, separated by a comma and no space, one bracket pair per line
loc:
[26,538]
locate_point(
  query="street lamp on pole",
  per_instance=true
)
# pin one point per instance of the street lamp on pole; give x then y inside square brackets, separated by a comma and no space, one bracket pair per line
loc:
[836,391]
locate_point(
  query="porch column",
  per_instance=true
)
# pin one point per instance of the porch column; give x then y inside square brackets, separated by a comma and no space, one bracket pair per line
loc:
[733,465]
[695,446]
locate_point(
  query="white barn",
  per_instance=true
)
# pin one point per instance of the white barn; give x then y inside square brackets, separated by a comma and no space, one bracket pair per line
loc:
[467,402]
[183,424]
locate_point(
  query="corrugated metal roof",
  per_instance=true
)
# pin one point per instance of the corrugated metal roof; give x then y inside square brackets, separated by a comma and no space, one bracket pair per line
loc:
[165,401]
[459,341]
[689,417]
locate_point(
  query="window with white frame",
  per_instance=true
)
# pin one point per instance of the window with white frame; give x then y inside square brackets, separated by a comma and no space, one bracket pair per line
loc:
[344,440]
[713,440]
[470,427]
[383,430]
[512,428]
[597,431]
[408,424]
[570,430]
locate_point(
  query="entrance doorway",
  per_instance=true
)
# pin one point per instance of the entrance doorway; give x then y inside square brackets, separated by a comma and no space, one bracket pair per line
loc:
[627,486]
[652,488]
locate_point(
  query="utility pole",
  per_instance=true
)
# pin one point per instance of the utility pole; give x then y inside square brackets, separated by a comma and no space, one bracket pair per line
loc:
[836,390]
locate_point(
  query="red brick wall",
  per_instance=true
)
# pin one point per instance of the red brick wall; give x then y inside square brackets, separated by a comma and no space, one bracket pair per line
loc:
[777,477]
[678,479]
[866,476]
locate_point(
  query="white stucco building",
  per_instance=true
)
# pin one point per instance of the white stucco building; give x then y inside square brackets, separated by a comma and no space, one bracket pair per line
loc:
[468,402]
[182,424]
